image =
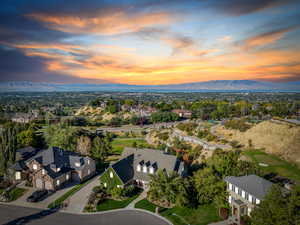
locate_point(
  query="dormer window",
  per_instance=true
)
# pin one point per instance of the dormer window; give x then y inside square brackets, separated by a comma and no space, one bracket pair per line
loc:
[138,168]
[250,198]
[151,170]
[34,166]
[144,169]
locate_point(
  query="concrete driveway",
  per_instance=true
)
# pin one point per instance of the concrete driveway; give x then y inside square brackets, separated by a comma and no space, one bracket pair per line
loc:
[78,201]
[19,215]
[42,204]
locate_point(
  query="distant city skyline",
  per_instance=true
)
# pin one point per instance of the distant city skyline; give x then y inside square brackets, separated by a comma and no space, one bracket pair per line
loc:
[149,42]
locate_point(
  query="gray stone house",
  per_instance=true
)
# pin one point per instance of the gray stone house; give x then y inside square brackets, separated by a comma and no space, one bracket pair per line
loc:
[52,168]
[245,193]
[136,166]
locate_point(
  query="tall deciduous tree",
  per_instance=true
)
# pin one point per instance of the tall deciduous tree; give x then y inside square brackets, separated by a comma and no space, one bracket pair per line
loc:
[101,148]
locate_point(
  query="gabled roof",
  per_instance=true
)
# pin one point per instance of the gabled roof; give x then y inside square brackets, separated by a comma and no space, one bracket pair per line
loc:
[54,157]
[131,157]
[124,168]
[252,184]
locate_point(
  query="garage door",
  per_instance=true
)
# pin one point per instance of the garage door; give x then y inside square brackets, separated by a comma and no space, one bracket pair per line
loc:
[39,183]
[48,185]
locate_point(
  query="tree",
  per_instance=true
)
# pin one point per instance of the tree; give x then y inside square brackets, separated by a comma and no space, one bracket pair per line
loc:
[27,138]
[272,210]
[168,189]
[61,136]
[101,148]
[208,185]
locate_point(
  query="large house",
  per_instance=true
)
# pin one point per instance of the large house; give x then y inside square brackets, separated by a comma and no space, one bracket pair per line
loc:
[245,193]
[136,165]
[183,113]
[52,168]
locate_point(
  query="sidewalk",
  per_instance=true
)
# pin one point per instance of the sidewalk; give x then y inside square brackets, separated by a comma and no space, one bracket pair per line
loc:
[141,196]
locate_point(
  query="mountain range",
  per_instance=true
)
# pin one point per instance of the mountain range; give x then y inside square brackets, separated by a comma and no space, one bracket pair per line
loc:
[214,85]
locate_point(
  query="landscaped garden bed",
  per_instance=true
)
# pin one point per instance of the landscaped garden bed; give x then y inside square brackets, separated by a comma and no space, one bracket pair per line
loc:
[103,199]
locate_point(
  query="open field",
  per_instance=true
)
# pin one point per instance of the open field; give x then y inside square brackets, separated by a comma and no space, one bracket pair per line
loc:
[118,144]
[275,164]
[279,139]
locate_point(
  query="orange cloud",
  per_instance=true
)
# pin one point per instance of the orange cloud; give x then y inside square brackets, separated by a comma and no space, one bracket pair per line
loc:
[266,38]
[107,24]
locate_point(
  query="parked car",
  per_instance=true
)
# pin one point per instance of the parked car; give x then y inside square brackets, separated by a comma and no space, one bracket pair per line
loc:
[38,195]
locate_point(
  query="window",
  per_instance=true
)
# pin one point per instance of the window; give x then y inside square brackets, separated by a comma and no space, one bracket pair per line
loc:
[57,182]
[89,171]
[67,177]
[230,186]
[229,199]
[43,172]
[34,166]
[57,169]
[257,201]
[145,169]
[236,190]
[138,168]
[77,164]
[111,175]
[243,194]
[250,198]
[88,162]
[151,170]
[18,175]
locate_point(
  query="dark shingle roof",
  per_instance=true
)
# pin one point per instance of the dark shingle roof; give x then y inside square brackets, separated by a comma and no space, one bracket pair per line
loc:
[124,169]
[252,184]
[131,157]
[54,157]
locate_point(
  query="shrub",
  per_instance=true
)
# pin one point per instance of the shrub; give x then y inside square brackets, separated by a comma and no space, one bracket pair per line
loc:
[237,124]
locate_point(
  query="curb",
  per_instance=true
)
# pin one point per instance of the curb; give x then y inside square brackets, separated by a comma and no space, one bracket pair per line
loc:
[119,210]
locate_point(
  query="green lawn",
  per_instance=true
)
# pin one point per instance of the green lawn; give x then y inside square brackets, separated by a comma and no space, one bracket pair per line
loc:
[145,204]
[203,215]
[16,193]
[118,144]
[275,164]
[109,204]
[66,195]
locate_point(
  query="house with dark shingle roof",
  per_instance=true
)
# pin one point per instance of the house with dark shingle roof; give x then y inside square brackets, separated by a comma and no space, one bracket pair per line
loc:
[136,166]
[245,193]
[52,168]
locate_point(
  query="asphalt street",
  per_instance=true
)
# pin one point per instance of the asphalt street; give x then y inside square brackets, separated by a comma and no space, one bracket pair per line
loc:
[20,215]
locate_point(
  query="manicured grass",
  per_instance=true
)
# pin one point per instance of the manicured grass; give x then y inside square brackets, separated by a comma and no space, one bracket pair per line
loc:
[145,204]
[109,204]
[66,195]
[203,215]
[275,164]
[118,144]
[16,193]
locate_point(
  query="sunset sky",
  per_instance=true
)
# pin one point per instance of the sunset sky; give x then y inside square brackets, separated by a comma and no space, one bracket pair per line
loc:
[149,41]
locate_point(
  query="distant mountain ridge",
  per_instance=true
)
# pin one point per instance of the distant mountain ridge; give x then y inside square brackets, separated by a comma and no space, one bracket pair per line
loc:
[214,85]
